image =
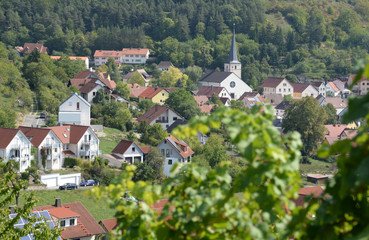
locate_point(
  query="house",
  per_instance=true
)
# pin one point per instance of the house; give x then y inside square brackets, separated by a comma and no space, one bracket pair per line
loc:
[88,83]
[78,141]
[174,151]
[208,91]
[108,225]
[320,87]
[207,108]
[229,80]
[301,90]
[74,219]
[136,90]
[164,66]
[143,74]
[273,99]
[361,87]
[14,145]
[338,103]
[128,151]
[75,58]
[333,132]
[203,138]
[249,102]
[162,114]
[75,110]
[280,109]
[48,146]
[321,100]
[317,178]
[41,217]
[201,100]
[126,56]
[30,47]
[155,94]
[306,192]
[337,88]
[277,85]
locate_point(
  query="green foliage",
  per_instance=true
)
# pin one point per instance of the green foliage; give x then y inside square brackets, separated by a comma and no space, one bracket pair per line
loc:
[145,104]
[183,103]
[136,77]
[123,89]
[331,114]
[306,117]
[214,151]
[70,162]
[203,203]
[152,135]
[171,77]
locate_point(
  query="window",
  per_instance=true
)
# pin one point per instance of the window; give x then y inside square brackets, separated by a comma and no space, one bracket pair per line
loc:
[232,84]
[289,90]
[284,84]
[363,83]
[77,105]
[55,150]
[165,141]
[235,67]
[174,118]
[232,95]
[162,152]
[163,94]
[161,100]
[94,94]
[167,153]
[62,223]
[170,162]
[284,90]
[72,222]
[133,149]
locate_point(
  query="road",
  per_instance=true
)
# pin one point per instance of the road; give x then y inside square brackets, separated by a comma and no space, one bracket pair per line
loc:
[32,120]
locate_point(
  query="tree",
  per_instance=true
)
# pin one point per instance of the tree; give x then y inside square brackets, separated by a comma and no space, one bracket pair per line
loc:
[171,77]
[145,104]
[214,151]
[136,77]
[100,97]
[10,186]
[156,161]
[123,89]
[306,117]
[347,19]
[331,114]
[183,102]
[152,135]
[316,26]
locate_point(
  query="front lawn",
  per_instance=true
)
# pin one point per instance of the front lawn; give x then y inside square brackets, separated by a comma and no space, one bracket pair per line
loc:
[110,139]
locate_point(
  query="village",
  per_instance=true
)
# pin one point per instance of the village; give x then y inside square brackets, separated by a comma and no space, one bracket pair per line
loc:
[75,140]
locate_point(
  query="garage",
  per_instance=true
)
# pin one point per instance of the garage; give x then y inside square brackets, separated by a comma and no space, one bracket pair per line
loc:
[50,180]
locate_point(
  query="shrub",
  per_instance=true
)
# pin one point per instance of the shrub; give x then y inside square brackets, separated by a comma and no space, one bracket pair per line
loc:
[25,175]
[71,162]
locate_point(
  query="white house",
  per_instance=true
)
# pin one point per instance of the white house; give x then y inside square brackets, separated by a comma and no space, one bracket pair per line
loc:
[128,151]
[229,80]
[75,110]
[174,151]
[320,86]
[78,141]
[14,145]
[301,90]
[126,56]
[280,109]
[48,146]
[162,114]
[277,85]
[332,89]
[208,91]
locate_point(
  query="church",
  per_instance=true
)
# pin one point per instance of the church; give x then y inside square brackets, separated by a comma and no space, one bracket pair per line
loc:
[230,79]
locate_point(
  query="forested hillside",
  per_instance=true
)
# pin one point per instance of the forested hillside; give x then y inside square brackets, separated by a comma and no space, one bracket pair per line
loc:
[310,39]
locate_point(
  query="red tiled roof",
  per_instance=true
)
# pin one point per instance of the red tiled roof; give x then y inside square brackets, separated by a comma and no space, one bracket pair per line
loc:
[109,224]
[316,191]
[334,86]
[69,133]
[272,82]
[85,74]
[108,53]
[137,51]
[62,212]
[299,87]
[145,150]
[209,90]
[123,146]
[155,112]
[185,152]
[334,130]
[349,133]
[35,135]
[150,92]
[7,135]
[249,94]
[86,224]
[68,152]
[317,176]
[201,100]
[30,47]
[136,90]
[88,87]
[336,102]
[71,58]
[206,108]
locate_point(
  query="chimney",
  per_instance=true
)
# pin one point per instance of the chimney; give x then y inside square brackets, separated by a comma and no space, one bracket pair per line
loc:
[57,202]
[12,209]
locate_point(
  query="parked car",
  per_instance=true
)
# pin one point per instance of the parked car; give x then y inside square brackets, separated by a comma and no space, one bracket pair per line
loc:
[89,182]
[43,115]
[68,186]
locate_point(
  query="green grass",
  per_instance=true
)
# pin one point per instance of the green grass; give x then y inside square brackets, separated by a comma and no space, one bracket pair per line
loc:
[318,167]
[99,209]
[110,140]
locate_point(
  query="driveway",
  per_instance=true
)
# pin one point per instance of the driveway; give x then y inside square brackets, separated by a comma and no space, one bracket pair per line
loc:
[32,120]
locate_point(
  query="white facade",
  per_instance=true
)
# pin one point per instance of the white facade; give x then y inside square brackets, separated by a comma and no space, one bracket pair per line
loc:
[133,153]
[91,94]
[310,91]
[56,180]
[75,110]
[171,157]
[53,147]
[284,88]
[19,150]
[331,91]
[87,147]
[166,119]
[322,89]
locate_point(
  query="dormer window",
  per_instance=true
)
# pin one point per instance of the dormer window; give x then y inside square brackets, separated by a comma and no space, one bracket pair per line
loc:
[62,223]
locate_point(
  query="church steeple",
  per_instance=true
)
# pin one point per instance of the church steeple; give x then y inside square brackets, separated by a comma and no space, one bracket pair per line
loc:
[233,53]
[233,65]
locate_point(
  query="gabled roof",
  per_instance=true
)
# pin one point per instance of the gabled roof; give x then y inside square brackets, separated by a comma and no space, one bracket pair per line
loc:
[86,224]
[136,51]
[317,176]
[335,130]
[63,212]
[70,133]
[7,135]
[299,87]
[248,94]
[201,100]
[316,84]
[206,108]
[209,90]
[86,74]
[88,87]
[180,146]
[165,64]
[136,90]
[77,95]
[339,84]
[333,86]
[224,100]
[155,112]
[315,191]
[150,92]
[283,105]
[36,135]
[215,76]
[109,224]
[272,82]
[123,146]
[30,47]
[336,102]
[108,53]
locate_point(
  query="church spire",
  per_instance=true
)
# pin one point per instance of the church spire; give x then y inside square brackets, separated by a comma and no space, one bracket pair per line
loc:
[233,53]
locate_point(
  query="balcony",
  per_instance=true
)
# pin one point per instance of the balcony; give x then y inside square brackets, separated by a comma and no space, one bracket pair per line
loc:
[84,153]
[162,120]
[88,142]
[49,157]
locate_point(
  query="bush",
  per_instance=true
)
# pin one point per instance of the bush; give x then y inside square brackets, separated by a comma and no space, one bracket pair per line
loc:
[70,162]
[86,164]
[25,175]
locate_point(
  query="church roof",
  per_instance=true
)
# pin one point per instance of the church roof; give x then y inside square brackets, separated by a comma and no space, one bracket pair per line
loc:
[233,52]
[215,76]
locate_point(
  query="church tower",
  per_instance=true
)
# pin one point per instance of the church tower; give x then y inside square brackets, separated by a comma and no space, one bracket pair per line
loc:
[233,65]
